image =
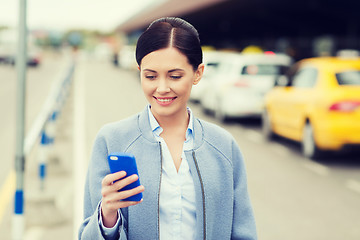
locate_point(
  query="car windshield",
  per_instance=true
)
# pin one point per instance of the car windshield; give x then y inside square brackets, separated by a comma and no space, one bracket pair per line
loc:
[211,68]
[264,69]
[348,78]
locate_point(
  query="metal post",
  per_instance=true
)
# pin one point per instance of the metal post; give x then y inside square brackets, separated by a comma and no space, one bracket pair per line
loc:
[21,64]
[43,158]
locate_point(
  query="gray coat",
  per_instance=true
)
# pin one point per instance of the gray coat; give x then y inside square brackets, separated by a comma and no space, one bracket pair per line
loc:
[223,208]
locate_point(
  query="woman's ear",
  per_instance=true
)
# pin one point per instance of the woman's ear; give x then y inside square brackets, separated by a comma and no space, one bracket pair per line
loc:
[199,73]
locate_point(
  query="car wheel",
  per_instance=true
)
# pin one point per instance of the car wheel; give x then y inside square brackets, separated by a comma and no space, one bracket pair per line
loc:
[266,126]
[206,111]
[309,148]
[219,113]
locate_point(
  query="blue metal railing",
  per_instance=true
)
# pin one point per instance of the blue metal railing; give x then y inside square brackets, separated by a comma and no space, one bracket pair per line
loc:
[42,132]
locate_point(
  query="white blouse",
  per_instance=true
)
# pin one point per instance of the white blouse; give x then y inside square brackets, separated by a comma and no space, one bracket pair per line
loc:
[177,192]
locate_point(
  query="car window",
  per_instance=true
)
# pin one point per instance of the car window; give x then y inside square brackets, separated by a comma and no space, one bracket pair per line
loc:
[305,78]
[211,68]
[348,78]
[263,69]
[212,64]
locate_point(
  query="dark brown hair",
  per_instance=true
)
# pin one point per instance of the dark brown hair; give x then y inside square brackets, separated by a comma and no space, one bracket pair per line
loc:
[171,32]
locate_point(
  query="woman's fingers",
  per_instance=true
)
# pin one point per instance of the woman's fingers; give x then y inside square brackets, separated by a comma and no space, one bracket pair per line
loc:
[126,181]
[112,197]
[128,193]
[110,178]
[118,196]
[113,183]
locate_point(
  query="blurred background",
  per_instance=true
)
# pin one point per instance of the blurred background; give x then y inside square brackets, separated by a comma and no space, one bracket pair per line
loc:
[282,76]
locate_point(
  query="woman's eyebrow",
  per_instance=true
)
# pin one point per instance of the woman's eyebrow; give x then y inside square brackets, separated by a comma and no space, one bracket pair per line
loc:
[149,70]
[176,69]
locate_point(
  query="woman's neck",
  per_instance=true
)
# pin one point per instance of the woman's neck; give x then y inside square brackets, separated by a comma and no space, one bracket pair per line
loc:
[178,121]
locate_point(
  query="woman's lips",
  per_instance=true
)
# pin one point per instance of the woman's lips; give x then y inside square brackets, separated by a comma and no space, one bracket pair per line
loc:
[164,101]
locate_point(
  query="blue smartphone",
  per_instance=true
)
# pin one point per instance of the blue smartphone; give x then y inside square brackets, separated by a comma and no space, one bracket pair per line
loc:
[125,162]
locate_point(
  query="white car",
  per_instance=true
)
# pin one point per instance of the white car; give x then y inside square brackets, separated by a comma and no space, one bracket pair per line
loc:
[212,62]
[239,86]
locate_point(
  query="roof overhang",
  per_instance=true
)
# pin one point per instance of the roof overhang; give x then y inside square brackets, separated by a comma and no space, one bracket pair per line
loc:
[170,8]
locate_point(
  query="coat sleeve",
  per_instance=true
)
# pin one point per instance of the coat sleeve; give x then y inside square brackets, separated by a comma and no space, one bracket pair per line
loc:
[98,168]
[244,227]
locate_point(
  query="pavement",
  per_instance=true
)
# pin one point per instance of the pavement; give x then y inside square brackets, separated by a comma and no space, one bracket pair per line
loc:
[54,207]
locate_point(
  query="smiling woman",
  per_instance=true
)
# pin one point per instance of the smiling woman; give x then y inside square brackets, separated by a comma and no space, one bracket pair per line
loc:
[193,174]
[166,86]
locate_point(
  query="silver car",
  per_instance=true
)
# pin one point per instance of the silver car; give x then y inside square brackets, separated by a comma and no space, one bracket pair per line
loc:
[238,88]
[212,61]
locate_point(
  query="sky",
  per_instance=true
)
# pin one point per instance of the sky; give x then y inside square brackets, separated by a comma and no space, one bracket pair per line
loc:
[69,14]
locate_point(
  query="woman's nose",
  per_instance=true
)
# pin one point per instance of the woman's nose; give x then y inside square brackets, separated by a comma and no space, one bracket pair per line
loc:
[163,86]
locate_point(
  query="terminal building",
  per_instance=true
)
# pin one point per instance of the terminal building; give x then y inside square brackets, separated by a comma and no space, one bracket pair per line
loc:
[301,29]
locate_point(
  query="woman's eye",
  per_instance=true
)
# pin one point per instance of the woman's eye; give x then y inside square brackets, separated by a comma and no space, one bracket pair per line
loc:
[150,77]
[176,77]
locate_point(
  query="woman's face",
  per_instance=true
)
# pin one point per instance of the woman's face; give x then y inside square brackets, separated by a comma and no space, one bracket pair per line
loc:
[167,79]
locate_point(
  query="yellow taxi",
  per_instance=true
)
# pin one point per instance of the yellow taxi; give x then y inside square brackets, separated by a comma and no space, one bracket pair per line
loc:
[317,103]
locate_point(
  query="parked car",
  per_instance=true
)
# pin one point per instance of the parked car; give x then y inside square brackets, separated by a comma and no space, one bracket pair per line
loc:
[239,86]
[33,58]
[5,53]
[318,104]
[3,57]
[212,61]
[8,49]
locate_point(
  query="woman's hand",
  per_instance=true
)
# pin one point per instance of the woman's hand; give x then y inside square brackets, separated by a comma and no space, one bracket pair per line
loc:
[111,197]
